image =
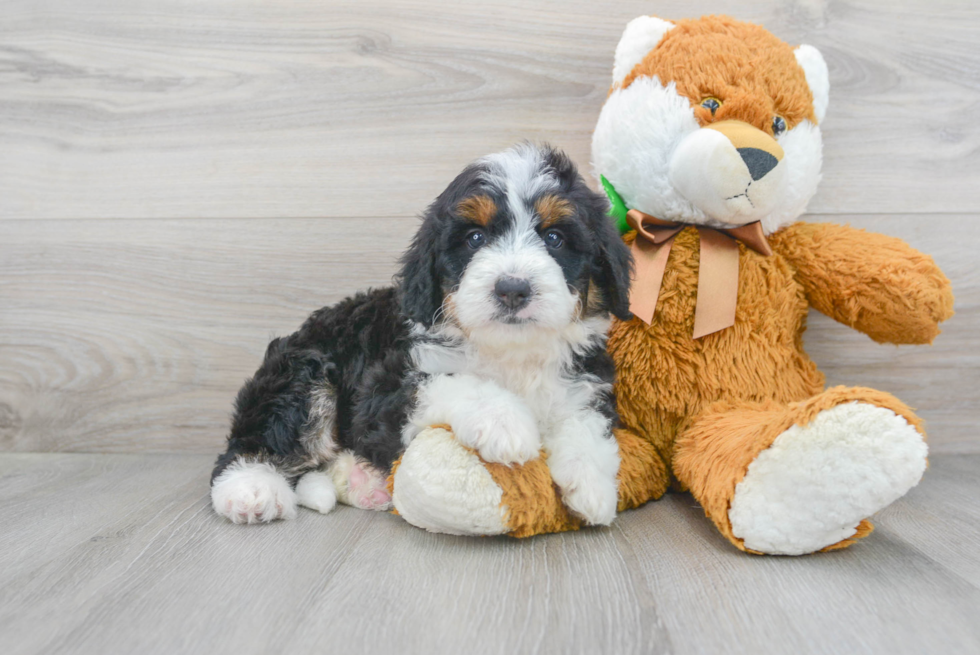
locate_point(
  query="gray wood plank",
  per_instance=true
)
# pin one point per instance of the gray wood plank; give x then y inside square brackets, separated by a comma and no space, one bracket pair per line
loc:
[121,553]
[133,336]
[138,333]
[169,109]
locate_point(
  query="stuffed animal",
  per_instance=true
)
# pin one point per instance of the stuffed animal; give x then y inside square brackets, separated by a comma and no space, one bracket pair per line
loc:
[709,148]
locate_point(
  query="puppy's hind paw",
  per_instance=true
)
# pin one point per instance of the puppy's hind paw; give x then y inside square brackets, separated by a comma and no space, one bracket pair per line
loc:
[359,484]
[252,492]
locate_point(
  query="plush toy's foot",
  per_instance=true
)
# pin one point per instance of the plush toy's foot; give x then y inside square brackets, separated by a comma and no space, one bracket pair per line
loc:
[801,478]
[816,483]
[442,486]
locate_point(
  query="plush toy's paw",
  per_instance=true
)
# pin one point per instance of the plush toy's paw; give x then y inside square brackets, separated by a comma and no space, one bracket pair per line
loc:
[501,433]
[812,487]
[358,484]
[316,491]
[252,492]
[443,487]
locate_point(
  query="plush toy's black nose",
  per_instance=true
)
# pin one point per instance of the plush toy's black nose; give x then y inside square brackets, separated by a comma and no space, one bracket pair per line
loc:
[759,162]
[512,292]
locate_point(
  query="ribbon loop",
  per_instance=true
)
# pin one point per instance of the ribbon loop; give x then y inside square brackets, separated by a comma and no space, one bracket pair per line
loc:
[717,273]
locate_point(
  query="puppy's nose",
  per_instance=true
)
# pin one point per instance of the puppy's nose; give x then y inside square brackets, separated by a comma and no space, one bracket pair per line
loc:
[512,292]
[758,161]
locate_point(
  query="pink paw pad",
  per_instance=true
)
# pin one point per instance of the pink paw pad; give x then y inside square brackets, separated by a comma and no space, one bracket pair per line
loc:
[367,488]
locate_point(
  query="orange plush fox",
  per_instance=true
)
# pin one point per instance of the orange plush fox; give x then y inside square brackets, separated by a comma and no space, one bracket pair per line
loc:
[709,147]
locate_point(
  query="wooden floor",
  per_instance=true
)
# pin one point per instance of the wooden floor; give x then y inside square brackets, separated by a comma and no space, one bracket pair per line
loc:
[122,554]
[179,181]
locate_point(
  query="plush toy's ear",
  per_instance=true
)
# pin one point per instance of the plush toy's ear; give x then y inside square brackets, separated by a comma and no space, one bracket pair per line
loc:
[817,77]
[640,37]
[421,289]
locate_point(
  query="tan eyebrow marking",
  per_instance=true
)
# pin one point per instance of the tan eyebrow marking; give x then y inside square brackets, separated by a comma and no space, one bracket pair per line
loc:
[479,209]
[552,209]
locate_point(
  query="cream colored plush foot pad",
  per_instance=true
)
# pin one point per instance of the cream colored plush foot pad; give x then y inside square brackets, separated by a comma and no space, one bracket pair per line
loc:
[812,487]
[443,487]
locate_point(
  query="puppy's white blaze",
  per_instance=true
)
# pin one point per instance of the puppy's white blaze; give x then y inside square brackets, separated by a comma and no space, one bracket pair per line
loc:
[522,175]
[637,162]
[251,492]
[519,253]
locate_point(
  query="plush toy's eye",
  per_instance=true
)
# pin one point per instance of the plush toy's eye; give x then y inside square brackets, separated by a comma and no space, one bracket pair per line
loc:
[778,125]
[554,239]
[476,239]
[711,104]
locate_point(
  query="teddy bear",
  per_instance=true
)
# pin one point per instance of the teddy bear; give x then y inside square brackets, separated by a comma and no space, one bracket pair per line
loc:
[709,148]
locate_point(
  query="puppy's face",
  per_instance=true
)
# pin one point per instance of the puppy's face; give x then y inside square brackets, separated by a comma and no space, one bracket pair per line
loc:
[516,242]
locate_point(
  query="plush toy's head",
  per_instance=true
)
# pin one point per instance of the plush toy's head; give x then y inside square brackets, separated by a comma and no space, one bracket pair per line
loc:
[712,122]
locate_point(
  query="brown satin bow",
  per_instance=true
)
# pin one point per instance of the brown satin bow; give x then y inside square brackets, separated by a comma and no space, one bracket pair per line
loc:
[717,274]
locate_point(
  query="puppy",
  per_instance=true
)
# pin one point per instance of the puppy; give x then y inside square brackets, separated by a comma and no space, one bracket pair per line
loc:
[496,327]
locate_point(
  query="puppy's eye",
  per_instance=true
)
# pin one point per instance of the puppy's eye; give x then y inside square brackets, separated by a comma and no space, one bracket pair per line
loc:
[554,239]
[475,239]
[711,104]
[778,125]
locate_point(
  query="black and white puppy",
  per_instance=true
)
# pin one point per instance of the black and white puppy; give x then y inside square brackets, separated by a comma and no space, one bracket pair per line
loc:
[496,327]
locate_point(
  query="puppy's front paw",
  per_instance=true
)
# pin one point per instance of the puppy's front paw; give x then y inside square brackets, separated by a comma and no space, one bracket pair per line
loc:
[503,434]
[250,492]
[586,491]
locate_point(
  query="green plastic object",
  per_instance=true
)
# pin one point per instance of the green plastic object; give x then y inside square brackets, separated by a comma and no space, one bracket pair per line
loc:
[618,209]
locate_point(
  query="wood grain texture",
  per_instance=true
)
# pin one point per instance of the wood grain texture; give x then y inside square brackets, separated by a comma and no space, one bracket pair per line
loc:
[300,108]
[180,181]
[134,336]
[113,554]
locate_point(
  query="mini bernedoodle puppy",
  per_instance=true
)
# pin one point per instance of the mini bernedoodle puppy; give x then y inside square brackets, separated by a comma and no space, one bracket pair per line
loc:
[496,327]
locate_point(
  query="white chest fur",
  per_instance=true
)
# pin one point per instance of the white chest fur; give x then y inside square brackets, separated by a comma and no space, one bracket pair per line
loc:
[512,398]
[537,366]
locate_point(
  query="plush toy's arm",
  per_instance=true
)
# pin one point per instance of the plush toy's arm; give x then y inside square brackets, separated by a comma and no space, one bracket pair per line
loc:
[876,284]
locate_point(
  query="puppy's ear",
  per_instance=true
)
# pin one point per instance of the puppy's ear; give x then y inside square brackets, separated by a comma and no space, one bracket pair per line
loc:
[612,267]
[612,264]
[421,290]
